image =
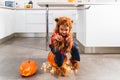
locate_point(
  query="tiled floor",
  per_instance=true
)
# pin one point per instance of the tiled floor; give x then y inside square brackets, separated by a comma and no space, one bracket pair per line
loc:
[93,66]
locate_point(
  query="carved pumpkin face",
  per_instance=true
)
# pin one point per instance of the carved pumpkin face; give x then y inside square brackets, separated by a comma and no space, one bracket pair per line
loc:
[51,60]
[28,68]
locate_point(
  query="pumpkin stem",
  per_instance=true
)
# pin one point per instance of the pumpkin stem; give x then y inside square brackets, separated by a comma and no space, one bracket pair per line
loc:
[28,61]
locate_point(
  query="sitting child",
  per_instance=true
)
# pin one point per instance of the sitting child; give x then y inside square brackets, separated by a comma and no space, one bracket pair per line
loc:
[62,44]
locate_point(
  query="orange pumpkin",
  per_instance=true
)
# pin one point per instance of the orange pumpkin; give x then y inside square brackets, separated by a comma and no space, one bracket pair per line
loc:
[51,60]
[28,68]
[71,1]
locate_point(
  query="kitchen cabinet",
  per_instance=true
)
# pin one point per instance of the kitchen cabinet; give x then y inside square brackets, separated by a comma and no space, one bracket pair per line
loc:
[58,13]
[7,22]
[100,26]
[20,21]
[81,26]
[2,24]
[34,21]
[30,21]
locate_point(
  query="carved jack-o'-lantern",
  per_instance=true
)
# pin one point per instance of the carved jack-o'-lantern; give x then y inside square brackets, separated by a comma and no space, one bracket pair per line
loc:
[51,60]
[28,68]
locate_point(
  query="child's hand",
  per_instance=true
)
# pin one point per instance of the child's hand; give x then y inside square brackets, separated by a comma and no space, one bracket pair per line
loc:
[69,39]
[58,37]
[58,42]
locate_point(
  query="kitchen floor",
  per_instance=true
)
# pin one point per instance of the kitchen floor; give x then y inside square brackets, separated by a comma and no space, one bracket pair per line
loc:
[92,66]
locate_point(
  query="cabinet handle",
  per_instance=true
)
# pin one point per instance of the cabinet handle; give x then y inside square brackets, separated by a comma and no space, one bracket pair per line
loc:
[88,7]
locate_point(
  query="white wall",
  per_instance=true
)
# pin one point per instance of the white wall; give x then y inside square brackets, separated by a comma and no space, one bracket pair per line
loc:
[103,26]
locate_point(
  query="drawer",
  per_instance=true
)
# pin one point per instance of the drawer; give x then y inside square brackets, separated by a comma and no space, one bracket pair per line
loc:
[35,19]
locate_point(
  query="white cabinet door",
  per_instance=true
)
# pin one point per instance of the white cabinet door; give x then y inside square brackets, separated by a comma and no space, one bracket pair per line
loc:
[103,26]
[6,22]
[20,21]
[58,13]
[2,24]
[9,22]
[35,21]
[30,21]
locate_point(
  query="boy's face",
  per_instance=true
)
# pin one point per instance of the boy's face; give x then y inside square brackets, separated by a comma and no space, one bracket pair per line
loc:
[63,30]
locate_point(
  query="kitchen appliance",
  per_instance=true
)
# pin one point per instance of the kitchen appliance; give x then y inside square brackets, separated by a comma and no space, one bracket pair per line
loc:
[9,3]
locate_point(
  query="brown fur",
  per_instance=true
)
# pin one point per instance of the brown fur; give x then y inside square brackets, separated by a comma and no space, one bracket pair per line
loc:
[58,44]
[68,46]
[62,71]
[63,21]
[74,64]
[61,43]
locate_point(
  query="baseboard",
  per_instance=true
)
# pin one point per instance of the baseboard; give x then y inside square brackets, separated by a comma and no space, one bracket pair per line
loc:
[7,38]
[104,50]
[83,49]
[30,34]
[36,34]
[27,35]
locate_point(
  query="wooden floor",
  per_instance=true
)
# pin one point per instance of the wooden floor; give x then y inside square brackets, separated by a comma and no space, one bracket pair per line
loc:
[92,66]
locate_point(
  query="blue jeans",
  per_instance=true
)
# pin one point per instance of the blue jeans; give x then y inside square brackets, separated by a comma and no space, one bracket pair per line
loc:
[59,58]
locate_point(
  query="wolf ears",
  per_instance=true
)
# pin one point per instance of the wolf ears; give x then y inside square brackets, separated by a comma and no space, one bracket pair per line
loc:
[57,19]
[72,21]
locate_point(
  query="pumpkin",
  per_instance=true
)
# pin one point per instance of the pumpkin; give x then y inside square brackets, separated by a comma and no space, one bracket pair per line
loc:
[71,1]
[28,68]
[51,60]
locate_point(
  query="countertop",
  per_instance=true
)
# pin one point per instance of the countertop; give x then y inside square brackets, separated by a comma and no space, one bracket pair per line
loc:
[58,6]
[40,8]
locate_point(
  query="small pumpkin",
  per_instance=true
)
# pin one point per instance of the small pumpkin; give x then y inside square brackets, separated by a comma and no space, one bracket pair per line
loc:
[51,60]
[28,68]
